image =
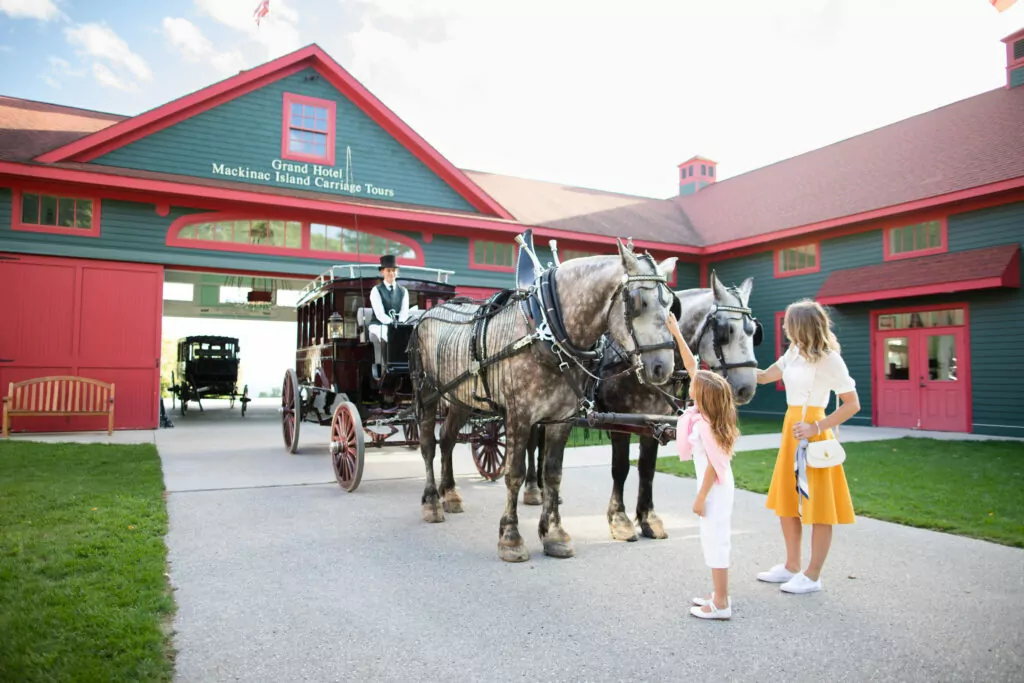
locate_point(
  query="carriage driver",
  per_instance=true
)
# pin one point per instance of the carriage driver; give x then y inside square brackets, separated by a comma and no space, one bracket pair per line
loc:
[389,300]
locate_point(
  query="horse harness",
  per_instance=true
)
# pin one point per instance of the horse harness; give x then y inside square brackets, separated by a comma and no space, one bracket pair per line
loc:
[541,307]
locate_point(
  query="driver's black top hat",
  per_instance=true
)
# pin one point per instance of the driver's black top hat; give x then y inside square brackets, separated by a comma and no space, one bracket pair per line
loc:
[387,261]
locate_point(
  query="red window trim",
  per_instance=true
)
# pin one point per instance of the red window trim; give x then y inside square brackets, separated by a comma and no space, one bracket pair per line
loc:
[943,247]
[780,316]
[473,265]
[803,271]
[16,223]
[173,240]
[330,106]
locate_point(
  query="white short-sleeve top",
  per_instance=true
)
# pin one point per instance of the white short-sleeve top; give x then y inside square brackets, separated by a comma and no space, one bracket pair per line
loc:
[814,381]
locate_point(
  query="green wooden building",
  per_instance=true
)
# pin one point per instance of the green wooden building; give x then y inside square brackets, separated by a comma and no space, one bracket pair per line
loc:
[910,233]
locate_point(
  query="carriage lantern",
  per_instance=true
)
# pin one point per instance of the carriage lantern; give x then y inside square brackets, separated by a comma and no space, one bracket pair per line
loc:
[335,325]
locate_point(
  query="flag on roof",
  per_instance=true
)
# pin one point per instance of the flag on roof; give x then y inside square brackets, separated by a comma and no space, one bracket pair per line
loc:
[1002,5]
[262,10]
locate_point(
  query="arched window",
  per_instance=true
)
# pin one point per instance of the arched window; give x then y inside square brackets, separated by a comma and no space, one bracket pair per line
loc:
[222,231]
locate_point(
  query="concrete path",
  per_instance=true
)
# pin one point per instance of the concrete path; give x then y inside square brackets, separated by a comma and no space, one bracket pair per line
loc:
[282,576]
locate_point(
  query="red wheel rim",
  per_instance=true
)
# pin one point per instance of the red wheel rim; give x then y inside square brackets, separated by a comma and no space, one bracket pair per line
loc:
[489,450]
[345,457]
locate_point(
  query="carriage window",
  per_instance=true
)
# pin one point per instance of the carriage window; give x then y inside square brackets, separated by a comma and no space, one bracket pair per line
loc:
[796,260]
[50,213]
[915,240]
[338,239]
[255,232]
[493,255]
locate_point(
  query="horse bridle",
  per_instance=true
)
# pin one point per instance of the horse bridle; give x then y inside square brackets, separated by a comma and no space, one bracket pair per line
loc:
[631,312]
[751,326]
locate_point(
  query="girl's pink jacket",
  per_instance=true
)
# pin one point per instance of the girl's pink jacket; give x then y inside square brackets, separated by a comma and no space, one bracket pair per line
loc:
[690,420]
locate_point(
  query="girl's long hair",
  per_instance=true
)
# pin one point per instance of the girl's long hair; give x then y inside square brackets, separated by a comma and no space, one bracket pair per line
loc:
[808,326]
[714,401]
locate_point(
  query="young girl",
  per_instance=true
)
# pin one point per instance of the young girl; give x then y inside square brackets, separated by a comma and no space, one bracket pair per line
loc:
[811,369]
[706,433]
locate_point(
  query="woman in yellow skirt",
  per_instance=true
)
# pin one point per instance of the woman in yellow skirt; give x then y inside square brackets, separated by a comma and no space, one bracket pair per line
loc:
[811,370]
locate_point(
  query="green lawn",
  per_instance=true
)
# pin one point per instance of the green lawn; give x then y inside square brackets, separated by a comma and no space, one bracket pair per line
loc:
[83,595]
[971,488]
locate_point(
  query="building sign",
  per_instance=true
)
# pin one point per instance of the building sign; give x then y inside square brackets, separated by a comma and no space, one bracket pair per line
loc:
[306,176]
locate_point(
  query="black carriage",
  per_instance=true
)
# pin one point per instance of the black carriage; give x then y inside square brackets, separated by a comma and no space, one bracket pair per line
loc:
[337,382]
[207,367]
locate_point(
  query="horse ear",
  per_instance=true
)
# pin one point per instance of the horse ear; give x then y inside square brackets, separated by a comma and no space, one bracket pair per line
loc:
[667,267]
[745,289]
[629,260]
[721,293]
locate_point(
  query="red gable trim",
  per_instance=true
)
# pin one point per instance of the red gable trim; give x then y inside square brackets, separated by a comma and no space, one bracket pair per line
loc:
[216,198]
[943,274]
[130,130]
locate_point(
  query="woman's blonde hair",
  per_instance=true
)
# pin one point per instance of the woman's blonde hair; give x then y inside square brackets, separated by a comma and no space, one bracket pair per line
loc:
[808,326]
[714,401]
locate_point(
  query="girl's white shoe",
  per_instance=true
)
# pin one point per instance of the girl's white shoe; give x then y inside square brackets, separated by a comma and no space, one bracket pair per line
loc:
[700,602]
[715,613]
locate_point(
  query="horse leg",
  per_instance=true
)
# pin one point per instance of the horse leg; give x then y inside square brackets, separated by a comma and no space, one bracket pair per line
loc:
[452,500]
[650,523]
[556,541]
[531,492]
[511,547]
[618,522]
[430,503]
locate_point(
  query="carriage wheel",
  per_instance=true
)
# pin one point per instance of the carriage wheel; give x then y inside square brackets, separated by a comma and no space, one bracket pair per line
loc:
[411,431]
[245,399]
[291,411]
[173,389]
[488,444]
[347,446]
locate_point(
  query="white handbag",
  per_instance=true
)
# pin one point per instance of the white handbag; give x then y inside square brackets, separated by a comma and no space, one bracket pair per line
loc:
[827,452]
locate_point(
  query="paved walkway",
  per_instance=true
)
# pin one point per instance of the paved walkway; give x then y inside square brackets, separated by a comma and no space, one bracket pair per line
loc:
[279,575]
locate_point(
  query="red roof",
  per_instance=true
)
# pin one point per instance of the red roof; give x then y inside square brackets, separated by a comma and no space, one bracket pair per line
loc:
[939,274]
[973,142]
[29,128]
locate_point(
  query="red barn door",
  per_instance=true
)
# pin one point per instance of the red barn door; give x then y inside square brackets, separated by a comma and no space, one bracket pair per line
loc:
[88,318]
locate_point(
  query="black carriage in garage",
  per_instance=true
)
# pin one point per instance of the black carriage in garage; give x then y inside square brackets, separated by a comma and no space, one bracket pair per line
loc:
[207,367]
[337,382]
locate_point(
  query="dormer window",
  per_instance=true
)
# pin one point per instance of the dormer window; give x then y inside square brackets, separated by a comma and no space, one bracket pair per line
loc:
[307,129]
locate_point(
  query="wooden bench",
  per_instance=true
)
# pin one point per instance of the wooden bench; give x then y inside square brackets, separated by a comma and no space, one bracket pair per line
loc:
[59,396]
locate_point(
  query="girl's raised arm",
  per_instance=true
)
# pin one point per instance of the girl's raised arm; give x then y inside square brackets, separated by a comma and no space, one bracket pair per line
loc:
[689,362]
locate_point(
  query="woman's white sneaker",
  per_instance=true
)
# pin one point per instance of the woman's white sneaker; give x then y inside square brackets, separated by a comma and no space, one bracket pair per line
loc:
[801,584]
[777,574]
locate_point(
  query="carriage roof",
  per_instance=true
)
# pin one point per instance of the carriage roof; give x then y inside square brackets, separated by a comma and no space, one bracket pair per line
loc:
[365,275]
[210,339]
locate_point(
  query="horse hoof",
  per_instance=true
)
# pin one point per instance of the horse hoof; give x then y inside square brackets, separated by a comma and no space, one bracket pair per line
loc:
[452,503]
[623,532]
[433,513]
[560,549]
[532,496]
[652,527]
[513,553]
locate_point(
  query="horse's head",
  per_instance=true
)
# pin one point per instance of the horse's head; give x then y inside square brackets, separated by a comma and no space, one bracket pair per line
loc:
[637,318]
[719,322]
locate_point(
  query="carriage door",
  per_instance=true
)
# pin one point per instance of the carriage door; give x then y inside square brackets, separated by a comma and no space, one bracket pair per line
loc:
[921,370]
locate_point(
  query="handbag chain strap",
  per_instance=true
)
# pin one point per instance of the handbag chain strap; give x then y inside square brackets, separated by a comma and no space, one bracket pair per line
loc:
[803,415]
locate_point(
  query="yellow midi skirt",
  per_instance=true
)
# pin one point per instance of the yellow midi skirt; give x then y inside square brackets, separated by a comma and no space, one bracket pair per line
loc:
[829,501]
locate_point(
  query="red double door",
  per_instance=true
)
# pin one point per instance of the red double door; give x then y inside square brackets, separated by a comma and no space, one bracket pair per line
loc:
[922,378]
[95,319]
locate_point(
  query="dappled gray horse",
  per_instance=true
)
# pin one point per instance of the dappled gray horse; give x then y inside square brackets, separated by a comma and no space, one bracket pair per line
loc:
[719,327]
[497,361]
